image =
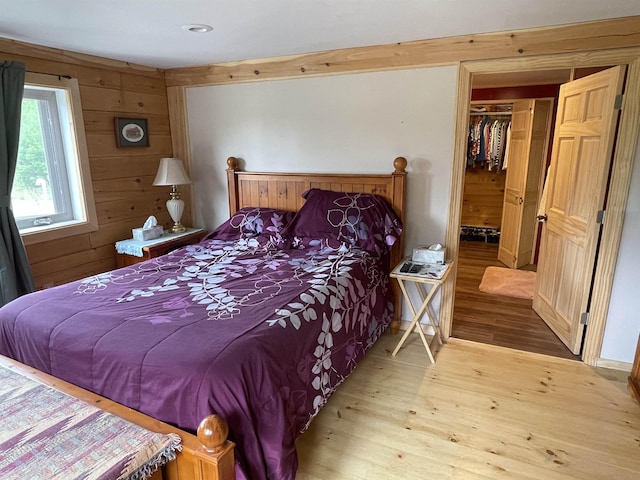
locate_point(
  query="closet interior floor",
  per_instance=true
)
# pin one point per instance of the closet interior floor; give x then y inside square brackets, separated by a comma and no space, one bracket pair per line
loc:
[495,319]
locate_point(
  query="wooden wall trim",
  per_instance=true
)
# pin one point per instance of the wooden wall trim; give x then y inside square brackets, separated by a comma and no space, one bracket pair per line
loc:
[452,234]
[15,47]
[179,123]
[597,35]
[580,59]
[619,185]
[614,365]
[177,101]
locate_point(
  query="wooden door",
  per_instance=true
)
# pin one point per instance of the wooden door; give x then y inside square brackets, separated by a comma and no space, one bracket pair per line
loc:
[526,158]
[580,160]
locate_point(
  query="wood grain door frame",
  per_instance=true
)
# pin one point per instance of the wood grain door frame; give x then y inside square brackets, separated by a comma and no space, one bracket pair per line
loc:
[627,140]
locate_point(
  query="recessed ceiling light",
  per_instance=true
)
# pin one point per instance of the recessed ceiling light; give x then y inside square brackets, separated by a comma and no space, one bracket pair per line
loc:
[197,28]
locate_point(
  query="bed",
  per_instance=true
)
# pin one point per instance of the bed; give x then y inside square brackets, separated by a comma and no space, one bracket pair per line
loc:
[259,323]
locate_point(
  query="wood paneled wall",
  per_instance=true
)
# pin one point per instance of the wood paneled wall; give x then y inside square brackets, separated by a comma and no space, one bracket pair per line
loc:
[483,197]
[122,177]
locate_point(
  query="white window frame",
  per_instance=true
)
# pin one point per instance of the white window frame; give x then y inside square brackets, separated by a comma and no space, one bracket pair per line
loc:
[81,212]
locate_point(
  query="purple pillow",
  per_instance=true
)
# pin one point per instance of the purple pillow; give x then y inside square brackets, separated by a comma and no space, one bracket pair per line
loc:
[337,219]
[251,222]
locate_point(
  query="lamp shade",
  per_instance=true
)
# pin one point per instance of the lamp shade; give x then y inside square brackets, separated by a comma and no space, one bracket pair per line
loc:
[171,172]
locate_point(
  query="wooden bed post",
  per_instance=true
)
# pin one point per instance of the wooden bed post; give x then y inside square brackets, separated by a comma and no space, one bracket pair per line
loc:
[232,182]
[399,178]
[209,456]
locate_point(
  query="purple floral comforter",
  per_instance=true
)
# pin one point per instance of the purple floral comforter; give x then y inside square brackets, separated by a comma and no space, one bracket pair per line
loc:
[257,335]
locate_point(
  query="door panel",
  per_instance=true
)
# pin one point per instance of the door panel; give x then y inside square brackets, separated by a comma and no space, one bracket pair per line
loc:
[514,183]
[580,161]
[538,145]
[527,147]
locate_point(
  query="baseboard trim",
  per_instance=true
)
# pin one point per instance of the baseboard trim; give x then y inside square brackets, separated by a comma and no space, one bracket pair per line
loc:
[426,327]
[614,364]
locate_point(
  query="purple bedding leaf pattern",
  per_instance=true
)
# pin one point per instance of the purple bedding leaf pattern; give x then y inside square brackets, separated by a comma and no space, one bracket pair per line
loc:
[261,336]
[362,220]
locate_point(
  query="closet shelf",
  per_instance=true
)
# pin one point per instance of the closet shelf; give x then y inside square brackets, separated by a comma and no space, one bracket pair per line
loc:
[490,114]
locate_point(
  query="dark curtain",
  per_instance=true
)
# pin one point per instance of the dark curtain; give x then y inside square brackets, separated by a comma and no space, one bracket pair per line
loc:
[15,272]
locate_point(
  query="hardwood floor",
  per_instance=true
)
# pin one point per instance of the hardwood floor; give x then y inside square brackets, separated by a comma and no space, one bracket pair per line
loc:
[480,412]
[495,319]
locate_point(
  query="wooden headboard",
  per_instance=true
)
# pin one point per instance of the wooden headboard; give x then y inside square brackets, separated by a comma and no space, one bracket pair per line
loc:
[284,190]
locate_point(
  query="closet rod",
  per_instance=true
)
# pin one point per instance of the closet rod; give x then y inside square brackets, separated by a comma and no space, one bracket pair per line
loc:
[490,113]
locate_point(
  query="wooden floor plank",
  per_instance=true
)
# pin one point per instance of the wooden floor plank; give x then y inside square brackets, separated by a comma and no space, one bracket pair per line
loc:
[495,319]
[481,412]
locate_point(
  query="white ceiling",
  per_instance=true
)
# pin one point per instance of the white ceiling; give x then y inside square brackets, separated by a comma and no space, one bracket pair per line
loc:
[148,32]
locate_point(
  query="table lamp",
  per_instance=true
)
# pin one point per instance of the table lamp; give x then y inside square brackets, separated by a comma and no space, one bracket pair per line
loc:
[172,172]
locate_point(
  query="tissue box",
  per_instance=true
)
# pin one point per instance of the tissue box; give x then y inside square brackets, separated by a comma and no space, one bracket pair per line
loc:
[422,254]
[142,234]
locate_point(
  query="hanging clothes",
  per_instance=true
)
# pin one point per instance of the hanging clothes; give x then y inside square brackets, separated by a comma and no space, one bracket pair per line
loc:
[498,142]
[487,142]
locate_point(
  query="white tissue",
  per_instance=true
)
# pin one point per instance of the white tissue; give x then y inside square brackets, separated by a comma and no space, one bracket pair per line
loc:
[150,222]
[149,231]
[433,254]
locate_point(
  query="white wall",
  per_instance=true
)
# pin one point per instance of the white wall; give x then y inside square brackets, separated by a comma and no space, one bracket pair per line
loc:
[347,123]
[623,320]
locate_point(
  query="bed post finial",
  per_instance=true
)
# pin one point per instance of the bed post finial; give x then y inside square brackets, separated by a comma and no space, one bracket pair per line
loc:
[400,164]
[232,163]
[212,433]
[233,166]
[397,251]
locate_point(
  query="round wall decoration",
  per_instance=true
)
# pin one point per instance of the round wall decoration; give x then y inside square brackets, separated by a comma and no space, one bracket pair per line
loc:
[131,132]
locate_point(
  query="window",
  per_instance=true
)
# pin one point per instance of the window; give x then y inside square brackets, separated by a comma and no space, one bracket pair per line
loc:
[52,194]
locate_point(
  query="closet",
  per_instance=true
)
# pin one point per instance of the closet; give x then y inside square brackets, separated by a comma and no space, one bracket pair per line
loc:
[506,157]
[484,175]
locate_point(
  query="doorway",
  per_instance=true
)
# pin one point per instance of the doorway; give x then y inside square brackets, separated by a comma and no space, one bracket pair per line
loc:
[627,138]
[489,215]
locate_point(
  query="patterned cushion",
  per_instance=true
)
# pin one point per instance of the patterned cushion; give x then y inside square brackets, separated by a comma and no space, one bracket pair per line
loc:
[342,220]
[254,222]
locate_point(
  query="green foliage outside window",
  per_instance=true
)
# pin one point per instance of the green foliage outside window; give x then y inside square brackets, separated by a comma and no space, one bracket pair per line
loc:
[32,166]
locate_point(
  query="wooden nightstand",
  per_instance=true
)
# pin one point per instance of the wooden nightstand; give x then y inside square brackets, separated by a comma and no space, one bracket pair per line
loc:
[128,249]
